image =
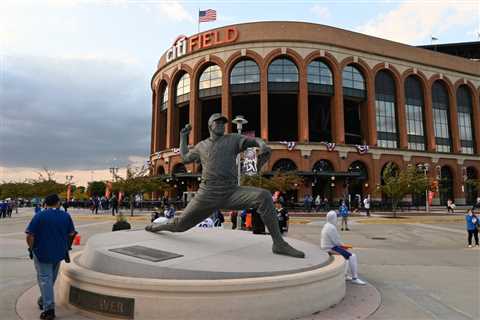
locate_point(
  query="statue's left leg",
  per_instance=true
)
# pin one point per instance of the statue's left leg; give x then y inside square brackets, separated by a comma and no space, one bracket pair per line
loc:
[261,199]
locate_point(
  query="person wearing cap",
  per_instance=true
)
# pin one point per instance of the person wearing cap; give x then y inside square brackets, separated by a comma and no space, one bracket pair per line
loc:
[49,237]
[219,189]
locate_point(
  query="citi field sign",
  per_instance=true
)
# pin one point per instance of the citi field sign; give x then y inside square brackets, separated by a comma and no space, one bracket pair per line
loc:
[183,44]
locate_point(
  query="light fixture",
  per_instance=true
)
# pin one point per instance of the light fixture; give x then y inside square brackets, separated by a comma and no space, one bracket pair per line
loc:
[332,184]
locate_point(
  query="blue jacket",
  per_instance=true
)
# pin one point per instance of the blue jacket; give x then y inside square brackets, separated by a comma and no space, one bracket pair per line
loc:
[343,211]
[470,224]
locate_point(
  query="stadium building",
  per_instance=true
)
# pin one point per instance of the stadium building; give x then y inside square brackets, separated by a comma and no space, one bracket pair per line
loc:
[334,105]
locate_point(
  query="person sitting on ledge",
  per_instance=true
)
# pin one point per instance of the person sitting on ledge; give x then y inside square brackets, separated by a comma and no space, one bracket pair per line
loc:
[331,241]
[219,185]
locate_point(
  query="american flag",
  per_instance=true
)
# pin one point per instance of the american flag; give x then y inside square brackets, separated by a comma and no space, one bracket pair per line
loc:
[207,15]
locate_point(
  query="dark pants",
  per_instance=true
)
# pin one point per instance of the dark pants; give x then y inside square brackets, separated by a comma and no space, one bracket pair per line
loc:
[342,252]
[114,209]
[473,233]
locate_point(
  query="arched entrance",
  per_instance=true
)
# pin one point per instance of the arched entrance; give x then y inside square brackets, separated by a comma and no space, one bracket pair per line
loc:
[180,185]
[356,183]
[471,191]
[321,183]
[446,185]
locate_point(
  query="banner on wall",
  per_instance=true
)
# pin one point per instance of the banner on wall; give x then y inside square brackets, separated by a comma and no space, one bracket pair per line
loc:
[249,166]
[431,195]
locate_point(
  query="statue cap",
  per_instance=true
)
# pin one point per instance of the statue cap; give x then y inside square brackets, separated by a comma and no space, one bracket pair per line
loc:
[216,116]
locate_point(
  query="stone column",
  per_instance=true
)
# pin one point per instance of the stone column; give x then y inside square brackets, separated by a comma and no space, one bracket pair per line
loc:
[336,112]
[476,121]
[401,115]
[264,103]
[454,131]
[170,117]
[153,132]
[370,134]
[429,129]
[303,129]
[194,113]
[226,100]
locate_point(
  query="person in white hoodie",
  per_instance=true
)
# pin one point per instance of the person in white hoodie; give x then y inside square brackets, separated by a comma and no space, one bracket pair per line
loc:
[331,241]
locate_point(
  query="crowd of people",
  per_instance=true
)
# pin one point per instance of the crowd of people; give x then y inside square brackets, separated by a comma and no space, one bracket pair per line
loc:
[6,208]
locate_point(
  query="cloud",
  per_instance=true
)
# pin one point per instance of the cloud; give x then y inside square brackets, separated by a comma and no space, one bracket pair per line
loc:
[320,12]
[175,11]
[72,113]
[414,22]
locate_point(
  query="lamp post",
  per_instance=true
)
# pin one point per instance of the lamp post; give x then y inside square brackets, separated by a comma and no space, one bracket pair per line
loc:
[69,181]
[239,121]
[113,171]
[425,167]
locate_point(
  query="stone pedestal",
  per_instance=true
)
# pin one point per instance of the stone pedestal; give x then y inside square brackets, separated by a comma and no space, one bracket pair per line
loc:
[198,274]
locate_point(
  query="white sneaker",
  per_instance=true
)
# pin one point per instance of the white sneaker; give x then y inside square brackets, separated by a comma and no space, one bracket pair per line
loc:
[348,278]
[359,282]
[469,245]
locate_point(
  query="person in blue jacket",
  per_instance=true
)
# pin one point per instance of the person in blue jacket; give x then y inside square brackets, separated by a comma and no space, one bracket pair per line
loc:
[344,214]
[472,227]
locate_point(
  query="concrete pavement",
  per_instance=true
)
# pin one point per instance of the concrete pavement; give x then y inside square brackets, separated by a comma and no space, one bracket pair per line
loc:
[422,270]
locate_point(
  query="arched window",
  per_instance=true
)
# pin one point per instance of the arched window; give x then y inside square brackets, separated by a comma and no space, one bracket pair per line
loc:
[353,82]
[464,108]
[284,165]
[414,109]
[319,78]
[210,82]
[282,100]
[245,71]
[441,121]
[385,110]
[183,89]
[164,99]
[282,70]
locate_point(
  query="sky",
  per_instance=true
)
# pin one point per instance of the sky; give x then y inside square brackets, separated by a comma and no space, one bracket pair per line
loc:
[75,75]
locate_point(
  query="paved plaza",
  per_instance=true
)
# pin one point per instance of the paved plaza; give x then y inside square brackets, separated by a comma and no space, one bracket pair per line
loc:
[420,265]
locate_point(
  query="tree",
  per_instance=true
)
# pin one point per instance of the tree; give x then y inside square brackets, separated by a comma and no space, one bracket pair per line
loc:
[399,183]
[43,188]
[136,182]
[281,181]
[258,181]
[286,181]
[96,188]
[15,190]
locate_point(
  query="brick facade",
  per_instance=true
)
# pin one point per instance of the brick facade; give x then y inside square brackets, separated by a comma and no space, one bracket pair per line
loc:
[303,43]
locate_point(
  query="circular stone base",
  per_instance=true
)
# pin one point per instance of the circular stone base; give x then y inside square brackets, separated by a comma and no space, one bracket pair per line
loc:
[198,274]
